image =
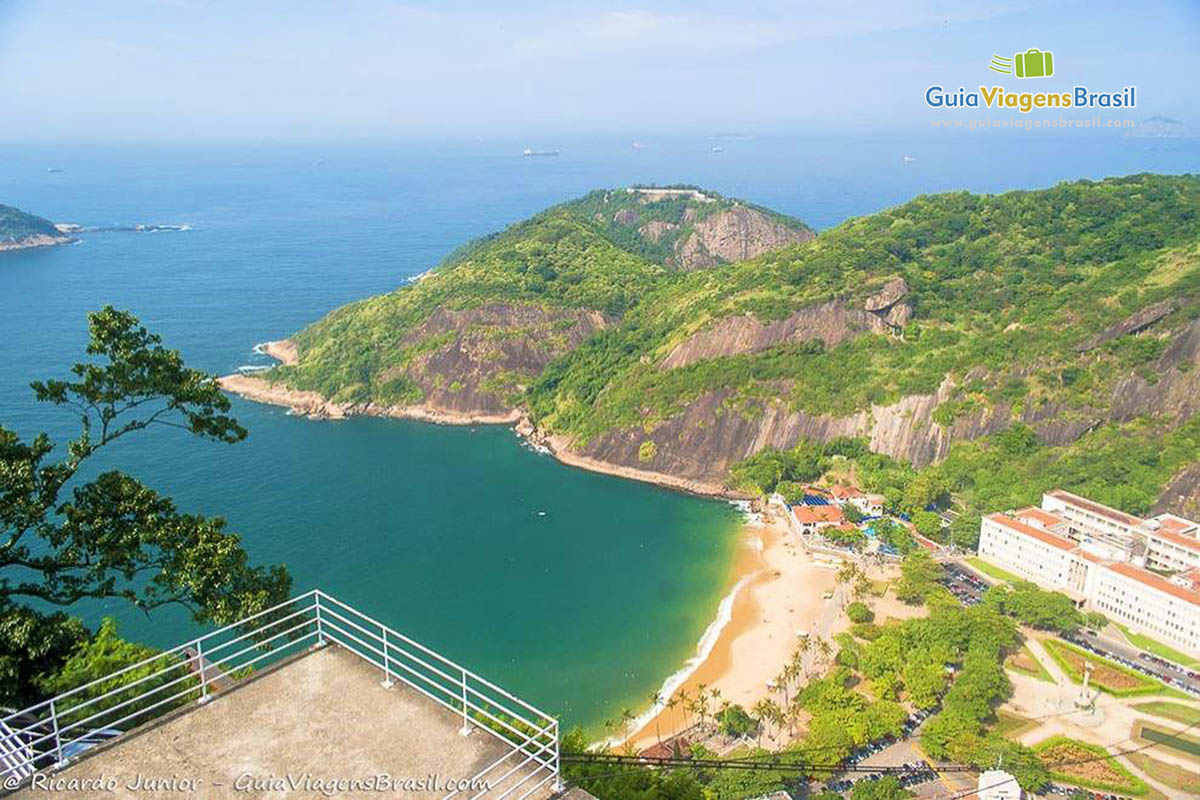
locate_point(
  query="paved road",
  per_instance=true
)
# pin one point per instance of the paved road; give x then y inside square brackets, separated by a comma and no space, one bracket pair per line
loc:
[1128,653]
[969,589]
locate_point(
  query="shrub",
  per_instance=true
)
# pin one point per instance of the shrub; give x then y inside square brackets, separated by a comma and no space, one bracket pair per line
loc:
[858,612]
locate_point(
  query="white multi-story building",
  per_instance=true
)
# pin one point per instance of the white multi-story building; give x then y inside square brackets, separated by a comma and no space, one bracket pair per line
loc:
[1098,557]
[1172,543]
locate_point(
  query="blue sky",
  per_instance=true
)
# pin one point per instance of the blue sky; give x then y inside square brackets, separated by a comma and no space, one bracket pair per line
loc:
[182,69]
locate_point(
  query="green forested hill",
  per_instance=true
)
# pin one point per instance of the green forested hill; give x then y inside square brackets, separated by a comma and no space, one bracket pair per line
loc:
[1070,312]
[1007,287]
[16,224]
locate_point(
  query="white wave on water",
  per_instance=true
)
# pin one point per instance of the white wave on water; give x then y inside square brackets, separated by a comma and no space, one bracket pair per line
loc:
[250,368]
[421,277]
[748,516]
[704,648]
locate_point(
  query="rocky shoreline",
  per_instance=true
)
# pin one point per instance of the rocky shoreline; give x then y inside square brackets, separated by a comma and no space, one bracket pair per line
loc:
[31,242]
[313,406]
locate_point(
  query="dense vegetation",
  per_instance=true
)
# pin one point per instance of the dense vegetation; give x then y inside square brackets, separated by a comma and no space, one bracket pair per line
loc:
[1003,288]
[1016,298]
[65,538]
[950,662]
[16,224]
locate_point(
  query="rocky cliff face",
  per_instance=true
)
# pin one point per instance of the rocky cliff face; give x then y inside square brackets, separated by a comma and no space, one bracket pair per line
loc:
[833,323]
[713,432]
[733,235]
[480,358]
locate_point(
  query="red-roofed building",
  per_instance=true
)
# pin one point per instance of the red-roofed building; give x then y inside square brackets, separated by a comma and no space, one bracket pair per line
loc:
[870,505]
[1172,543]
[1065,546]
[844,493]
[810,519]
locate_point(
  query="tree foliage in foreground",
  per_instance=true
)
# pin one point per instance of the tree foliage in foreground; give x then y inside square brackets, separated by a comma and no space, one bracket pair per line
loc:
[65,537]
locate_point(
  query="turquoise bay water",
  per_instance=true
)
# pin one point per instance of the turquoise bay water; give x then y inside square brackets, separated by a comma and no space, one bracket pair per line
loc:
[584,608]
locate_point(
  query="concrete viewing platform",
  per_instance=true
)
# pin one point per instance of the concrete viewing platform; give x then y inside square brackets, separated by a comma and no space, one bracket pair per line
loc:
[317,725]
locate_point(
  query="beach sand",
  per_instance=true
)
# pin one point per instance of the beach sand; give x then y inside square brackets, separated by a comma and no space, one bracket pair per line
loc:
[781,597]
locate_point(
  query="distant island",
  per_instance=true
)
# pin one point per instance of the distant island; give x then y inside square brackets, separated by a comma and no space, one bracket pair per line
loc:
[998,345]
[20,230]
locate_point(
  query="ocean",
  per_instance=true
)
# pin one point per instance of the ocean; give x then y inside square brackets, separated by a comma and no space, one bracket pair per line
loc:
[580,592]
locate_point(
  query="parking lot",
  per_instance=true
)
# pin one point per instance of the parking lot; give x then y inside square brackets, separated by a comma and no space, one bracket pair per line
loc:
[963,584]
[969,589]
[1187,680]
[890,754]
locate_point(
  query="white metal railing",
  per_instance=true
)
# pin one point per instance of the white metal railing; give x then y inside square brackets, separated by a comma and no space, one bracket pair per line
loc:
[47,735]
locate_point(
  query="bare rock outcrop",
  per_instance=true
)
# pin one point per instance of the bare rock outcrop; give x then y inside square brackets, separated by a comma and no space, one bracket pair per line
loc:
[654,230]
[489,352]
[832,322]
[885,298]
[889,303]
[32,241]
[716,430]
[1131,324]
[733,235]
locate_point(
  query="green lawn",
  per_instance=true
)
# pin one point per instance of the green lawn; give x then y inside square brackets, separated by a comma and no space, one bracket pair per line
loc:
[1173,711]
[1011,726]
[993,571]
[1173,776]
[1156,647]
[1188,745]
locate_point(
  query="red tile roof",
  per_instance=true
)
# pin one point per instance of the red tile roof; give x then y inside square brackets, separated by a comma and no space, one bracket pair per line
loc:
[1042,516]
[1099,509]
[1176,538]
[1175,524]
[1029,530]
[1156,582]
[814,514]
[845,492]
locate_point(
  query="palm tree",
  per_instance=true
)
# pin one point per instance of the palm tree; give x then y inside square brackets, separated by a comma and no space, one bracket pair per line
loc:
[824,648]
[781,683]
[773,714]
[802,648]
[627,719]
[762,711]
[702,700]
[793,716]
[655,699]
[685,700]
[672,703]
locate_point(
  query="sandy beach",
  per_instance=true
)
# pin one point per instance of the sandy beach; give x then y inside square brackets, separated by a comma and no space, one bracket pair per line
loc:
[780,597]
[777,587]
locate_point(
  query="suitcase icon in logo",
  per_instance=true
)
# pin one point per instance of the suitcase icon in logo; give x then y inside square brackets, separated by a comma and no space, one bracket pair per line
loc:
[1034,63]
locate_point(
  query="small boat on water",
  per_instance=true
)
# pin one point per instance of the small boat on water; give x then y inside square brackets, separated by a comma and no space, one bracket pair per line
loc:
[529,151]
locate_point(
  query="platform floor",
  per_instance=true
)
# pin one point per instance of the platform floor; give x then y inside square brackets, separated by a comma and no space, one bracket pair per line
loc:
[292,733]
